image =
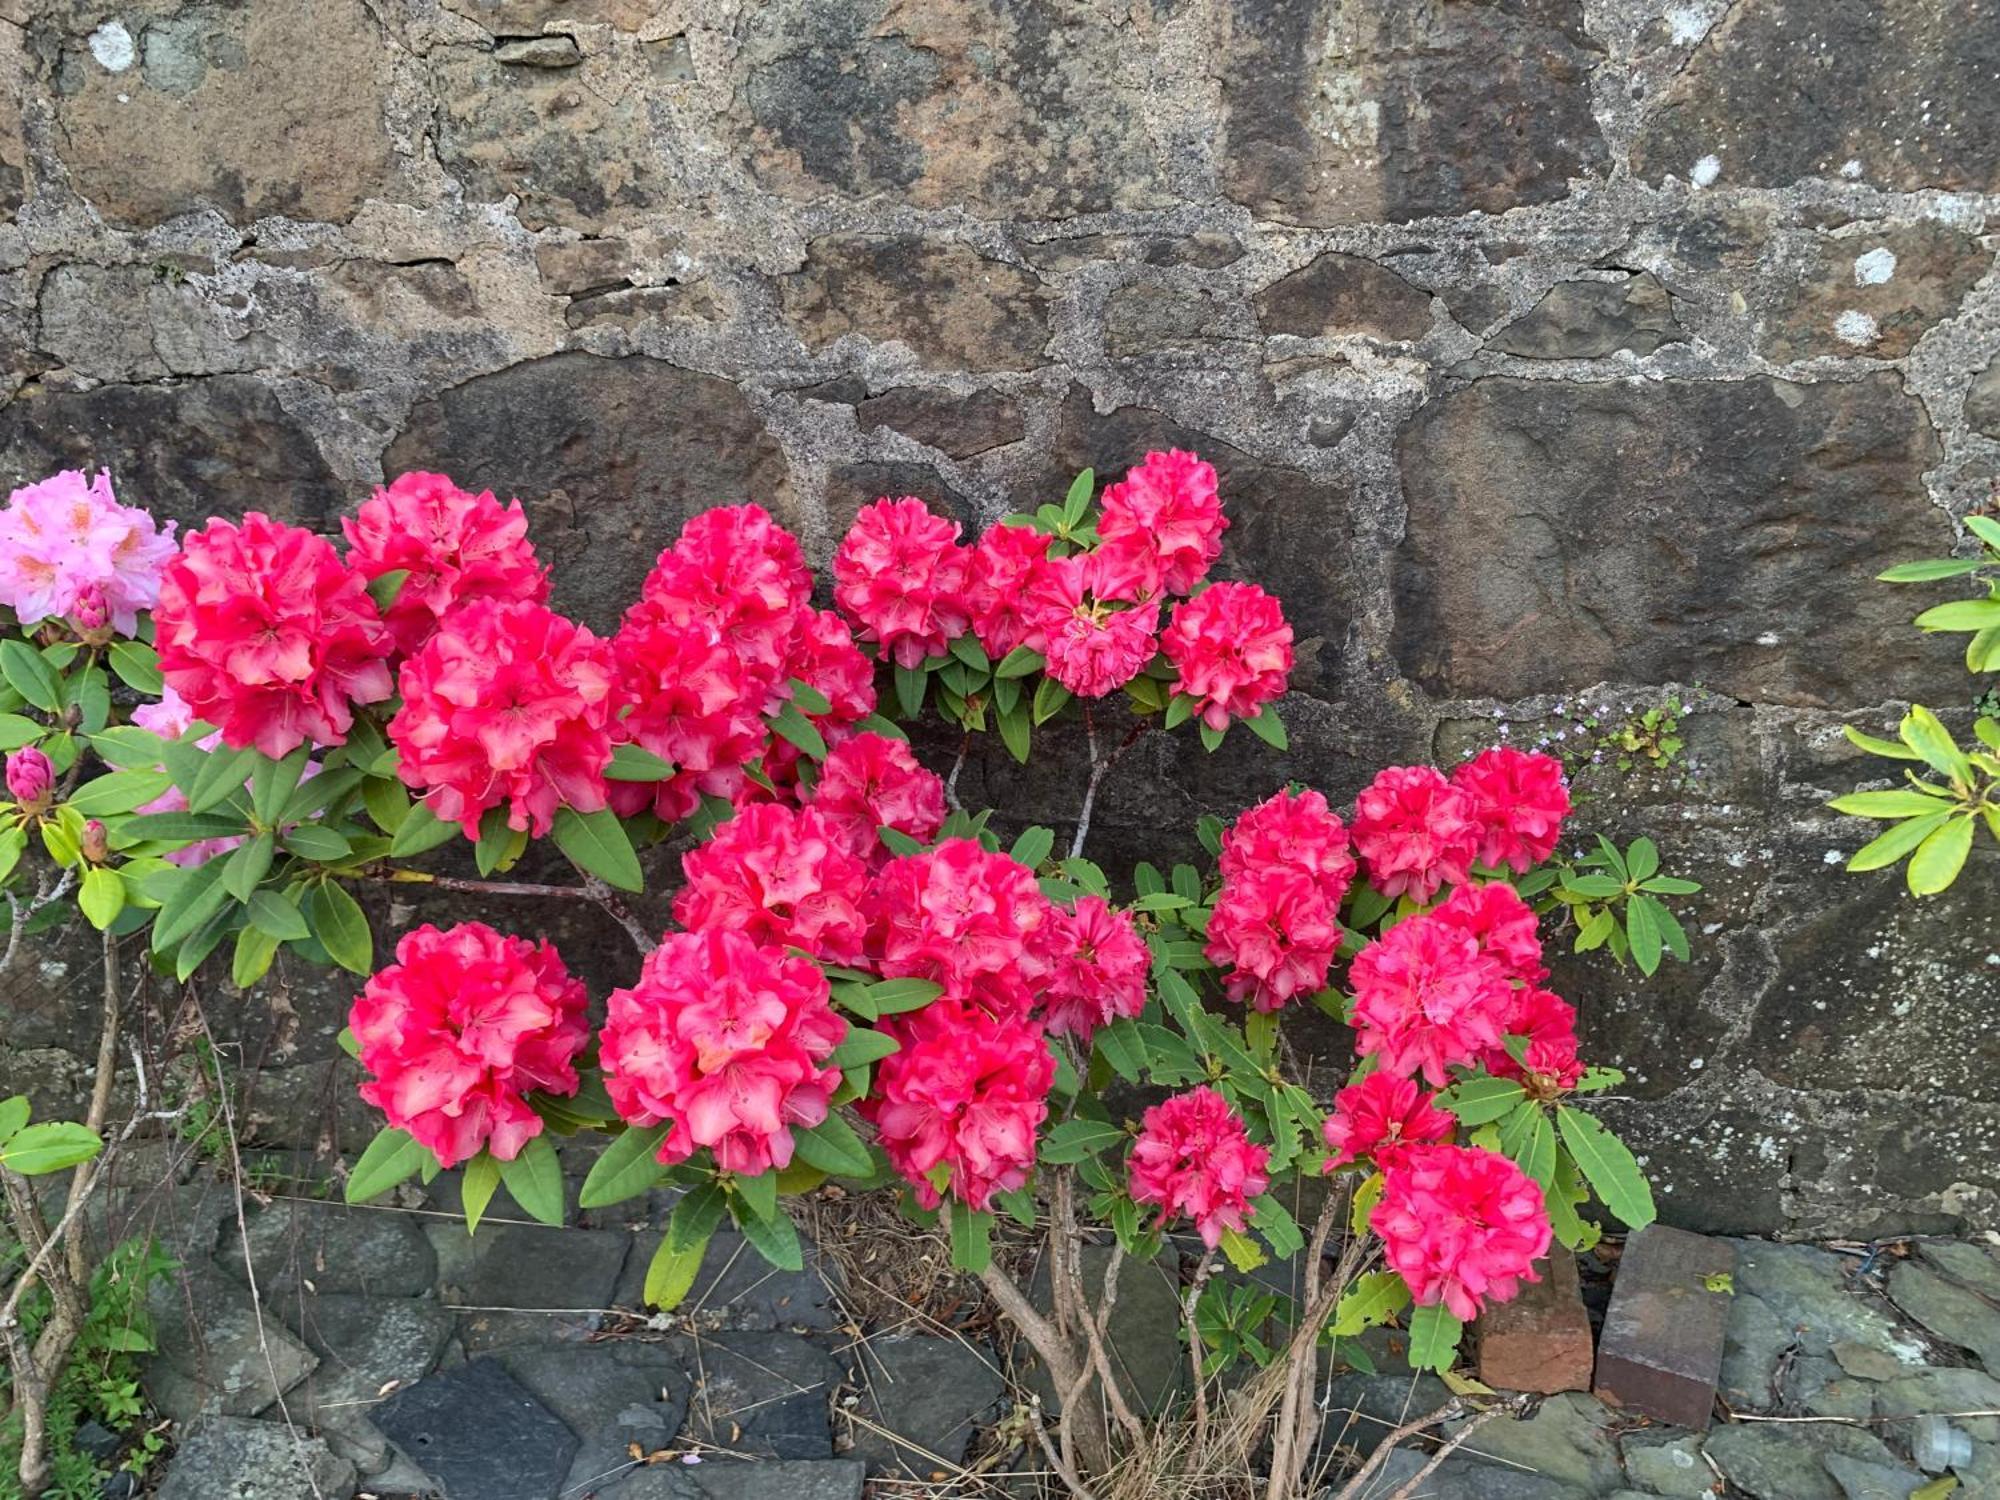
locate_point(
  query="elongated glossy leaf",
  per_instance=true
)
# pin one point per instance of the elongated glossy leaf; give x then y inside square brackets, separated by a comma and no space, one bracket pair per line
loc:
[1930,570]
[197,896]
[893,996]
[671,1272]
[49,1147]
[28,674]
[1478,1100]
[694,1218]
[221,777]
[1032,847]
[482,1178]
[391,1157]
[1922,732]
[17,730]
[251,959]
[101,896]
[1643,933]
[1894,844]
[534,1180]
[421,830]
[1607,1166]
[833,1147]
[971,1238]
[1434,1336]
[119,792]
[1890,804]
[1876,746]
[794,726]
[312,841]
[1941,856]
[336,919]
[247,865]
[13,1115]
[629,1166]
[1269,728]
[180,827]
[278,915]
[1371,1300]
[1073,1140]
[632,763]
[1962,614]
[861,1047]
[597,844]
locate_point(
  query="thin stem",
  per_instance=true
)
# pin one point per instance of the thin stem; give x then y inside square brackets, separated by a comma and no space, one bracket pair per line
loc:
[598,892]
[957,765]
[1457,1440]
[1099,768]
[1190,1300]
[1094,1323]
[1358,1481]
[614,906]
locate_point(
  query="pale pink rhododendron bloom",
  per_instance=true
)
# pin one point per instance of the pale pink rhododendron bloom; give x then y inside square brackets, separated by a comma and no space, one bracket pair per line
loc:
[900,575]
[1548,1022]
[1161,527]
[68,548]
[1006,572]
[1426,1000]
[269,636]
[1092,645]
[781,877]
[727,1041]
[870,782]
[1414,832]
[1232,650]
[463,1024]
[1495,917]
[1194,1158]
[1291,830]
[456,546]
[961,1102]
[1097,968]
[508,705]
[963,917]
[31,777]
[1462,1226]
[1518,802]
[1380,1118]
[1274,933]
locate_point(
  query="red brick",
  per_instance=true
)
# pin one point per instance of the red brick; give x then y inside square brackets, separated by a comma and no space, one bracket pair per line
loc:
[1540,1341]
[1664,1329]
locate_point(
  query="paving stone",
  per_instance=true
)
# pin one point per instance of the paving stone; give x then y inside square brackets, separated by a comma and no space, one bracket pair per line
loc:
[604,1468]
[737,1288]
[1541,1340]
[1867,1364]
[1814,1293]
[1753,1353]
[1590,319]
[1970,1265]
[930,1391]
[1821,1387]
[1861,1480]
[1568,1440]
[1661,1353]
[586,1384]
[365,1344]
[1673,1467]
[231,1458]
[823,1479]
[1943,1389]
[330,1247]
[1948,1310]
[1461,1478]
[765,1394]
[1781,1462]
[479,1434]
[214,1355]
[1362,1409]
[562,1280]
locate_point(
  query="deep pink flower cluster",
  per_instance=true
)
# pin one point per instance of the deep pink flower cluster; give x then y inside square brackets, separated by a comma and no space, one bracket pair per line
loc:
[455,546]
[1195,1157]
[1097,968]
[1162,527]
[461,1026]
[1007,572]
[1461,1225]
[1495,917]
[506,705]
[901,575]
[1380,1118]
[1548,1023]
[1414,832]
[871,782]
[1231,650]
[964,917]
[958,1107]
[1426,999]
[1093,645]
[1519,800]
[781,876]
[67,547]
[268,636]
[1275,925]
[727,1040]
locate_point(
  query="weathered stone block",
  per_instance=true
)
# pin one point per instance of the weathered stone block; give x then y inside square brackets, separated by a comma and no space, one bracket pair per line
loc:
[961,426]
[1875,293]
[253,1461]
[1590,319]
[475,1431]
[952,306]
[1172,324]
[1541,1340]
[1663,1332]
[1336,294]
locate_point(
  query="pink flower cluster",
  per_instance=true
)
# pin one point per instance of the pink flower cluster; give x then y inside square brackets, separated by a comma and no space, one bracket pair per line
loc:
[268,636]
[958,1107]
[1231,649]
[1195,1157]
[31,778]
[727,1041]
[966,918]
[1097,968]
[1417,830]
[507,705]
[68,548]
[1461,1225]
[870,782]
[783,877]
[461,1026]
[1519,800]
[1381,1118]
[1275,925]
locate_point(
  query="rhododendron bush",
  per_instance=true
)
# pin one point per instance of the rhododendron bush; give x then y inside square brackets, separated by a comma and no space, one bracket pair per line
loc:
[218,743]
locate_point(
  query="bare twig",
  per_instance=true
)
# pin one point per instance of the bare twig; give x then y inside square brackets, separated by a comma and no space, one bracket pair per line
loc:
[1450,1446]
[1190,1300]
[45,895]
[1100,767]
[1359,1479]
[1065,1470]
[1094,1322]
[598,892]
[957,765]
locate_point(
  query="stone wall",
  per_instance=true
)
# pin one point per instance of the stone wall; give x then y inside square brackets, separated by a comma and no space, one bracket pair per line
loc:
[1553,352]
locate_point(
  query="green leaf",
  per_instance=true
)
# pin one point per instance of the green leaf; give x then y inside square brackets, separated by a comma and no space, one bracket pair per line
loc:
[629,1166]
[251,959]
[862,1047]
[1643,933]
[13,1115]
[278,915]
[273,782]
[1032,847]
[1874,746]
[534,1180]
[775,1238]
[1242,1251]
[1434,1336]
[476,1189]
[1642,860]
[1930,570]
[1050,698]
[1020,662]
[247,865]
[28,674]
[911,684]
[1941,856]
[670,1274]
[1961,614]
[794,726]
[1607,1166]
[1077,502]
[49,1147]
[1073,1140]
[137,666]
[1369,1301]
[833,1147]
[421,830]
[1121,1045]
[1894,844]
[1269,728]
[392,1157]
[318,842]
[1892,804]
[1280,1230]
[387,801]
[198,896]
[597,844]
[221,777]
[634,763]
[101,897]
[337,921]
[119,792]
[16,731]
[971,1238]
[1922,732]
[1478,1100]
[1211,739]
[892,997]
[1162,901]
[1016,731]
[180,827]
[759,1193]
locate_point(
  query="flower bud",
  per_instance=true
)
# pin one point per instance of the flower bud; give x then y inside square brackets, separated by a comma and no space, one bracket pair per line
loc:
[96,844]
[30,778]
[88,614]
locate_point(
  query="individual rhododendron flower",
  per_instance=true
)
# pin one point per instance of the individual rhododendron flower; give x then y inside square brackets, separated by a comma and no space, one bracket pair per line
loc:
[1231,650]
[1275,933]
[1291,830]
[508,705]
[1093,647]
[780,876]
[900,576]
[1380,1118]
[1547,1022]
[67,547]
[871,782]
[958,1106]
[1161,527]
[740,575]
[460,1027]
[456,547]
[1097,968]
[1426,999]
[269,636]
[1519,800]
[1501,923]
[1462,1226]
[1007,570]
[1414,832]
[727,1040]
[1194,1157]
[964,917]
[31,778]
